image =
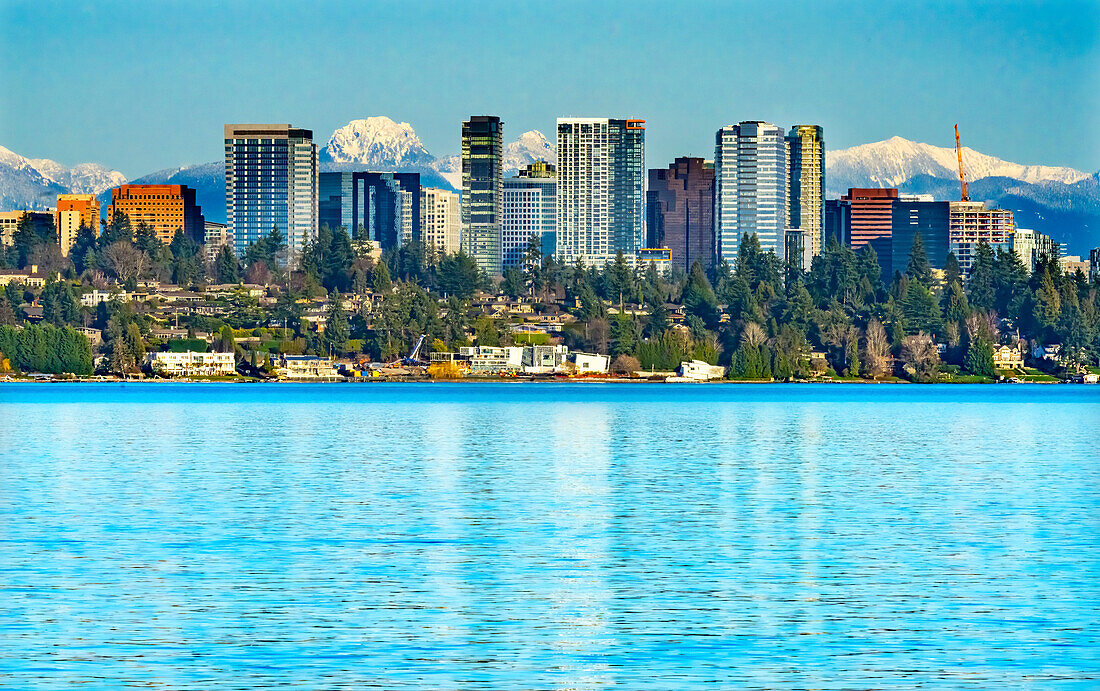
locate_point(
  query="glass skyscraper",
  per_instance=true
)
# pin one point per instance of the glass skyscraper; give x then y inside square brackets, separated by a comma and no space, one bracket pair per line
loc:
[601,168]
[270,182]
[750,187]
[382,207]
[482,191]
[530,208]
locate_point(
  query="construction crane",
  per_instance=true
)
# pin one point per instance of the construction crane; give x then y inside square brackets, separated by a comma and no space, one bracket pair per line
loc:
[962,173]
[413,359]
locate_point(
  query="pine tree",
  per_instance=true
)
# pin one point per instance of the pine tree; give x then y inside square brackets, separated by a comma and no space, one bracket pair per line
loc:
[919,269]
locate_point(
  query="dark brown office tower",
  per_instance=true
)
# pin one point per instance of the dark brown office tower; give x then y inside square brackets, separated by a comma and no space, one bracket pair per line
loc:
[680,211]
[870,214]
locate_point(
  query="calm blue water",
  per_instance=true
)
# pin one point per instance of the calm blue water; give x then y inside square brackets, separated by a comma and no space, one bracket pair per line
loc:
[549,536]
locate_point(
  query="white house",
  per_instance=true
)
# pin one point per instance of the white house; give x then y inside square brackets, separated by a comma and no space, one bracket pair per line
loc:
[192,364]
[306,367]
[491,359]
[701,371]
[591,363]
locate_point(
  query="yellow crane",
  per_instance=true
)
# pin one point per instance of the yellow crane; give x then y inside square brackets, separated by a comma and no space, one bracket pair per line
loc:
[962,173]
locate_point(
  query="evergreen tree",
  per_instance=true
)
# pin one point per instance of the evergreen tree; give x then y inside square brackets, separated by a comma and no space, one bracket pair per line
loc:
[380,279]
[226,266]
[512,285]
[919,269]
[952,272]
[979,358]
[698,297]
[337,331]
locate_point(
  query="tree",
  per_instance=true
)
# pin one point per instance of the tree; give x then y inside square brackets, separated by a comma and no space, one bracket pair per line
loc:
[951,271]
[459,276]
[919,308]
[876,350]
[123,260]
[698,297]
[224,342]
[226,266]
[623,335]
[919,268]
[625,365]
[979,358]
[380,279]
[752,359]
[921,359]
[337,332]
[512,285]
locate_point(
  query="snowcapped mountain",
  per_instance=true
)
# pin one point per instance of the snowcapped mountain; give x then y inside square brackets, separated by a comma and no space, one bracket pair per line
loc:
[530,147]
[34,183]
[378,143]
[890,163]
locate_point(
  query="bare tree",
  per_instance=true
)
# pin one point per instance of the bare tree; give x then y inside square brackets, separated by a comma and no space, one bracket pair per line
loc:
[876,350]
[753,334]
[922,360]
[124,260]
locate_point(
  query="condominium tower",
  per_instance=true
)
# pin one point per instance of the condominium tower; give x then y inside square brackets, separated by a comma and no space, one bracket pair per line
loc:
[806,202]
[680,211]
[750,187]
[383,208]
[440,220]
[601,168]
[530,209]
[973,223]
[482,191]
[270,182]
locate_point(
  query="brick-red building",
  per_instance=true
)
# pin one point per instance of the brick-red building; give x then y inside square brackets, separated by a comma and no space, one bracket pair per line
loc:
[680,211]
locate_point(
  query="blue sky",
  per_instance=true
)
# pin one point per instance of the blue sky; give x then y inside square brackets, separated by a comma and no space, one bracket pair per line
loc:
[140,86]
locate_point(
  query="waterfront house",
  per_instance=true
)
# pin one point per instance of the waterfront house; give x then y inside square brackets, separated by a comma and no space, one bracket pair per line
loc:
[701,371]
[591,363]
[192,364]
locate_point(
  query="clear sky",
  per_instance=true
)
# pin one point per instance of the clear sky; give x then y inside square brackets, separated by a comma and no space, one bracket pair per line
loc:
[140,86]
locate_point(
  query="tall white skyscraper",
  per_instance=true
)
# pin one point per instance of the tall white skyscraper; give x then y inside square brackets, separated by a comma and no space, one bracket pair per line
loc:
[750,187]
[270,182]
[440,219]
[601,167]
[530,208]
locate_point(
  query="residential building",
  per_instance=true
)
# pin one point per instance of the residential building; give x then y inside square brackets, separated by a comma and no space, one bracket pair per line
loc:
[750,187]
[930,219]
[97,296]
[543,359]
[493,359]
[1030,246]
[383,208]
[600,192]
[806,202]
[305,367]
[167,209]
[1008,357]
[30,277]
[591,363]
[680,211]
[270,182]
[9,223]
[215,236]
[701,371]
[67,224]
[530,209]
[1073,263]
[88,209]
[482,191]
[192,364]
[1094,261]
[441,219]
[973,223]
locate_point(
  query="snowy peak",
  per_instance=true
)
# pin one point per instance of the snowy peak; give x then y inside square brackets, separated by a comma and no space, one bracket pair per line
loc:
[530,147]
[83,178]
[377,142]
[890,163]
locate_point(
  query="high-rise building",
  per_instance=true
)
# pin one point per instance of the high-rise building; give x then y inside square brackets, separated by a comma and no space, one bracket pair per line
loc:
[530,209]
[168,209]
[84,204]
[482,191]
[270,182]
[806,202]
[9,223]
[929,218]
[441,219]
[601,168]
[973,223]
[67,224]
[750,187]
[861,216]
[381,207]
[680,211]
[1030,246]
[216,236]
[1094,261]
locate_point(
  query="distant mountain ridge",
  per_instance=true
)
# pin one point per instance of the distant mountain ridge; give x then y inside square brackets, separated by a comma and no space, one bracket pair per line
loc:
[1059,201]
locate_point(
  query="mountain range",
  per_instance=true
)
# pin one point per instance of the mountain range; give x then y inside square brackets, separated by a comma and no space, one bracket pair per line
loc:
[1061,202]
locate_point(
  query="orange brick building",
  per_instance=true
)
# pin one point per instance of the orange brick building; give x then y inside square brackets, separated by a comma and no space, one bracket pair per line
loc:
[167,208]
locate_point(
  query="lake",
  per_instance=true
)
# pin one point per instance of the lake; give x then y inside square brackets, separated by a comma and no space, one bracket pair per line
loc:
[549,536]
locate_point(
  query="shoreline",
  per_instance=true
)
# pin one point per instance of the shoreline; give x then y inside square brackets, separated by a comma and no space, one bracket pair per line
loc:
[492,380]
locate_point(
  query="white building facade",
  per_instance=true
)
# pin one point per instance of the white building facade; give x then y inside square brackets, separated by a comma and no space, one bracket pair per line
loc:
[750,187]
[600,190]
[530,209]
[441,219]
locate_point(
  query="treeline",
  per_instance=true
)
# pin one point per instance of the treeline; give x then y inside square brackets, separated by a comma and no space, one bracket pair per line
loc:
[45,348]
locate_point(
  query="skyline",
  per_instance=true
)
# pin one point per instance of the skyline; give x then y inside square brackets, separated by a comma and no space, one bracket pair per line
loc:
[206,72]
